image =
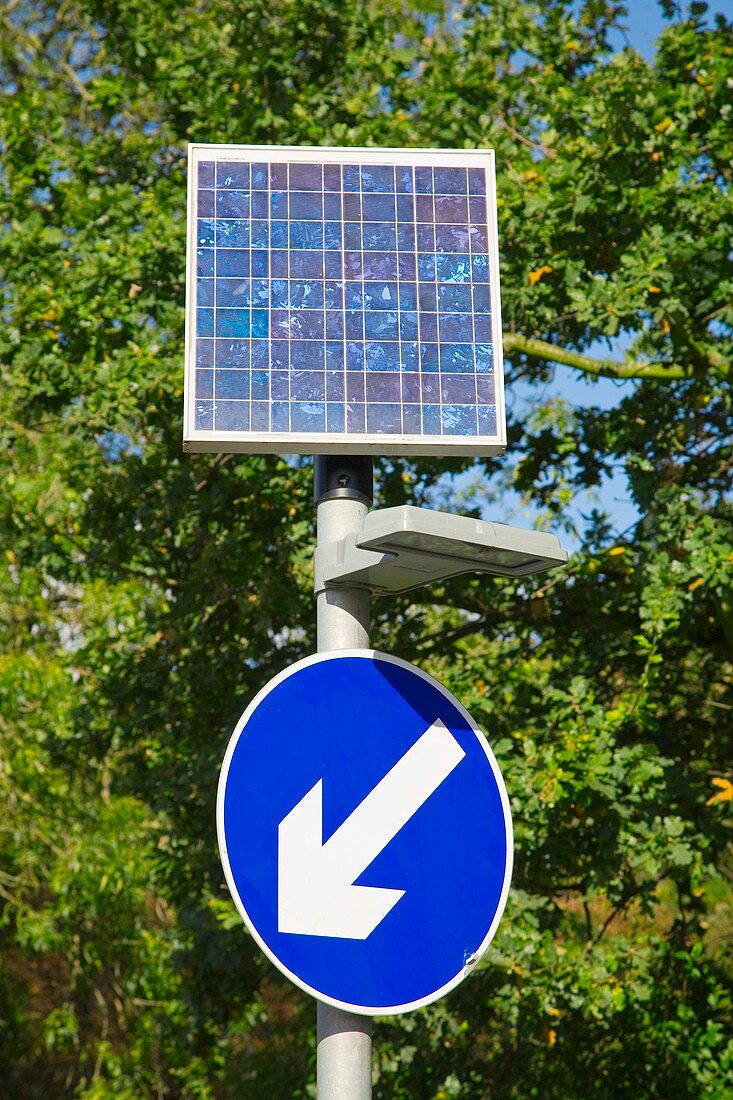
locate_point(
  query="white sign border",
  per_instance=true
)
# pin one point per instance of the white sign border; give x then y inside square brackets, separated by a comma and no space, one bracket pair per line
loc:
[210,442]
[363,1010]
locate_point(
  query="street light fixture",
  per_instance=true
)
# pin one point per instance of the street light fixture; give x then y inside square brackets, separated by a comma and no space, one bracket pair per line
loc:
[406,547]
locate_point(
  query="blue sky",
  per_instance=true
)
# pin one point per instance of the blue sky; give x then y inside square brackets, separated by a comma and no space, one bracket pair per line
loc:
[645,23]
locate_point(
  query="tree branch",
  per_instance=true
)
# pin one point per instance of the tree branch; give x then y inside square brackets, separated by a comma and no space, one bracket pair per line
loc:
[630,368]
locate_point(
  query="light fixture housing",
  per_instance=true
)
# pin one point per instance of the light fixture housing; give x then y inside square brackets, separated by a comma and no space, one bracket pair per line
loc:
[407,547]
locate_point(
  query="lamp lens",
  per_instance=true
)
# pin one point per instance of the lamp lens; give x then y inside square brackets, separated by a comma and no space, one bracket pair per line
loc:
[471,553]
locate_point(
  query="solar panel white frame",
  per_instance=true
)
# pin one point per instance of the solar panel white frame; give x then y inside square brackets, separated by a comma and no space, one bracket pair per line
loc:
[197,439]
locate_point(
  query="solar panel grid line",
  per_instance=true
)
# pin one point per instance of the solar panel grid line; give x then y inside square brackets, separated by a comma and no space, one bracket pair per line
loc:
[420,392]
[472,313]
[274,411]
[431,213]
[418,328]
[406,412]
[359,408]
[323,382]
[377,280]
[342,298]
[216,304]
[425,206]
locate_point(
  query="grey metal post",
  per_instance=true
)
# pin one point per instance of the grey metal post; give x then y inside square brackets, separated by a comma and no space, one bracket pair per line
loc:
[343,495]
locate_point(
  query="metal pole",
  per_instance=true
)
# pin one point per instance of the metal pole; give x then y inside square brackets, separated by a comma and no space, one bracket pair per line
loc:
[343,493]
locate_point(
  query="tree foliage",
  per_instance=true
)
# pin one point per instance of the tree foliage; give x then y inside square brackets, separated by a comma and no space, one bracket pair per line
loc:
[146,596]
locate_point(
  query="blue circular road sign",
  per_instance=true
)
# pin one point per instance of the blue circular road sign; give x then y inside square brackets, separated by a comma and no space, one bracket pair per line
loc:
[365,831]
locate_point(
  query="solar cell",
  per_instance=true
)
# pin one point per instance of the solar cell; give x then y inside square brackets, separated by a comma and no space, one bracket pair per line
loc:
[342,300]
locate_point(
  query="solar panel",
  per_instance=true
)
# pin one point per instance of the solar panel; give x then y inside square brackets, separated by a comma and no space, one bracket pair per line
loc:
[342,300]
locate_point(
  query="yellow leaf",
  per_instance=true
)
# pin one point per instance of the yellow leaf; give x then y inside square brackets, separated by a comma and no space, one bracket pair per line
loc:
[530,174]
[10,556]
[552,1036]
[535,276]
[695,584]
[665,325]
[654,289]
[616,550]
[725,794]
[663,126]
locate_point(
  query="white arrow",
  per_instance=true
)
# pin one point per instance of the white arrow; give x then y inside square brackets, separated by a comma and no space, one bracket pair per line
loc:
[316,892]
